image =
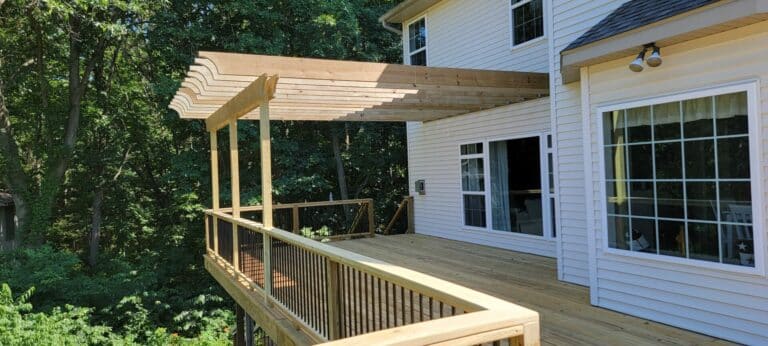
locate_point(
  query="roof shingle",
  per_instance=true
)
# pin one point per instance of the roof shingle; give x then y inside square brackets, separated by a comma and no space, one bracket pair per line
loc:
[634,14]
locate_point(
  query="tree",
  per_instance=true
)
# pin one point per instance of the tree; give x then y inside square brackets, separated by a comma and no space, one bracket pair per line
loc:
[38,133]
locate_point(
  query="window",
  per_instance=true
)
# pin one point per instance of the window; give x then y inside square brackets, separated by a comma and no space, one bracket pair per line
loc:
[473,184]
[504,187]
[678,179]
[527,20]
[417,43]
[551,185]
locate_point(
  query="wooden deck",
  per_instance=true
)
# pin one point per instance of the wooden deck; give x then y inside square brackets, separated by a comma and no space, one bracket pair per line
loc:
[567,318]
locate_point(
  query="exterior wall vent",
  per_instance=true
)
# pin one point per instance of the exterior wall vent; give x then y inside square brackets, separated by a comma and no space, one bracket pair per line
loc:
[419,187]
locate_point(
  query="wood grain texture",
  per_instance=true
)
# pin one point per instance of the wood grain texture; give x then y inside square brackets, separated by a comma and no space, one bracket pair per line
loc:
[526,280]
[222,86]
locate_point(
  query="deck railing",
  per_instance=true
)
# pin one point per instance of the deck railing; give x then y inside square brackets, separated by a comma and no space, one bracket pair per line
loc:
[326,220]
[402,221]
[349,299]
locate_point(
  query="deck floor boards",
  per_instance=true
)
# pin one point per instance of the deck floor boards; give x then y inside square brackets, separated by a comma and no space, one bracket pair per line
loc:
[567,317]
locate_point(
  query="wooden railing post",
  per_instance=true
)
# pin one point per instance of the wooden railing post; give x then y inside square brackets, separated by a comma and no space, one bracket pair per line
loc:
[206,219]
[411,220]
[334,302]
[215,235]
[295,220]
[371,218]
[235,249]
[267,266]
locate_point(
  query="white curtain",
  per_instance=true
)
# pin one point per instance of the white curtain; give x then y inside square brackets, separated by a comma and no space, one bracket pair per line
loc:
[500,187]
[726,106]
[732,105]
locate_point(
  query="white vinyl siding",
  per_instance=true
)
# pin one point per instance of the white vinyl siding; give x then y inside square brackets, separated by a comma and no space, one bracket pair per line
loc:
[476,34]
[434,156]
[570,19]
[714,301]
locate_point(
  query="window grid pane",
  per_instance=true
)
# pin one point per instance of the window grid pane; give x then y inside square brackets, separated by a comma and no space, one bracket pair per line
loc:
[474,210]
[527,21]
[417,42]
[678,179]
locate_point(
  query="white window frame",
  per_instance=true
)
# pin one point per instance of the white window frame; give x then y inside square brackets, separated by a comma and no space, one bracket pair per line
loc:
[512,7]
[543,172]
[756,177]
[407,43]
[482,156]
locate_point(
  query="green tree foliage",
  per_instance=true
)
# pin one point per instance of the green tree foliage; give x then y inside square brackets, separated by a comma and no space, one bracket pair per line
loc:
[70,325]
[114,184]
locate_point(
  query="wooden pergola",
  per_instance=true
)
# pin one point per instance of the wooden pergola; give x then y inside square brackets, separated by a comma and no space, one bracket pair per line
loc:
[221,88]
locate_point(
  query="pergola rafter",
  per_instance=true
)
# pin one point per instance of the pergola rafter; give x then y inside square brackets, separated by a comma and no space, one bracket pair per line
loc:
[316,89]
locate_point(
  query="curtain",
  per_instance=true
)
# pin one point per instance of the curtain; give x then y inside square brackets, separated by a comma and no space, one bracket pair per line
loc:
[727,106]
[731,105]
[500,187]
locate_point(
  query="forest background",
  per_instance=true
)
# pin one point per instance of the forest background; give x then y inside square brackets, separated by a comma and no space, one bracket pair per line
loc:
[109,184]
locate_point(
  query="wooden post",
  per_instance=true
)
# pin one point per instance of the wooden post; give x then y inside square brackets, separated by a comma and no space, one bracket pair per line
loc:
[206,217]
[295,226]
[234,164]
[334,302]
[239,326]
[215,188]
[371,219]
[411,219]
[248,330]
[266,193]
[267,266]
[235,249]
[266,164]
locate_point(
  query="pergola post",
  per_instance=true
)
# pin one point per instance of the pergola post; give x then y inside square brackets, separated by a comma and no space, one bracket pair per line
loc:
[266,192]
[234,167]
[215,187]
[234,164]
[266,164]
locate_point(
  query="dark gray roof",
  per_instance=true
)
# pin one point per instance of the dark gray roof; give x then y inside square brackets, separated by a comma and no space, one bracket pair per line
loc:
[634,14]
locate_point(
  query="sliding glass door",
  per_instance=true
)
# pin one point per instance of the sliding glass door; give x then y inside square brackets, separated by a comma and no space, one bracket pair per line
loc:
[506,187]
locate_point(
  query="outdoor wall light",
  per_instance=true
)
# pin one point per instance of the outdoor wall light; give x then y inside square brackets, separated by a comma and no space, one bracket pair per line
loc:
[637,64]
[655,59]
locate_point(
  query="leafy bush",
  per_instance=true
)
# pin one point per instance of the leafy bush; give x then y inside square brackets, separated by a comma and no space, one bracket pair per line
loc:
[68,326]
[73,326]
[127,303]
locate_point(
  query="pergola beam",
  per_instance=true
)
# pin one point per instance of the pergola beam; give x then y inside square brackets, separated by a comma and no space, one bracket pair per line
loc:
[223,86]
[259,91]
[324,69]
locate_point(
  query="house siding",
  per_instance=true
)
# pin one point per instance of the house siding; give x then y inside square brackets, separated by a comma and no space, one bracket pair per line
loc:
[715,302]
[570,19]
[433,155]
[476,34]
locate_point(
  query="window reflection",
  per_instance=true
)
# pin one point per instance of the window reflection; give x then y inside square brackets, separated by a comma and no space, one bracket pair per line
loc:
[678,179]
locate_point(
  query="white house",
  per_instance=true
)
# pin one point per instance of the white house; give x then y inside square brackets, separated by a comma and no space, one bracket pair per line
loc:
[648,184]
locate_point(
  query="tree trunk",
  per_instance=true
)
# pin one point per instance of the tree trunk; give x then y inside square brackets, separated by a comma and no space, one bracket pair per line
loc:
[13,173]
[41,206]
[95,237]
[340,174]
